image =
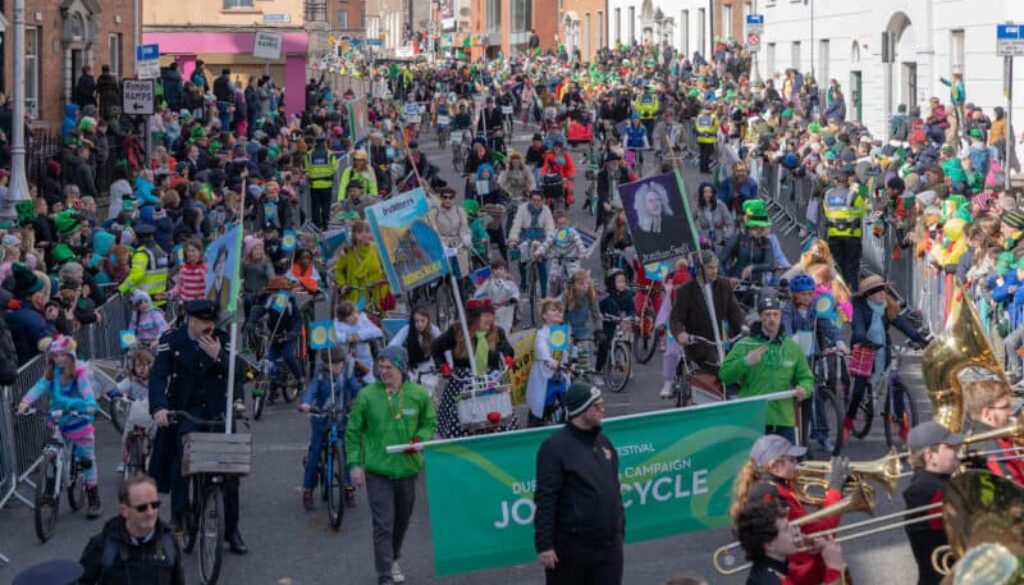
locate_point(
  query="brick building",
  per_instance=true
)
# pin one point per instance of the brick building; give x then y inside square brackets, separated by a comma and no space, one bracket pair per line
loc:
[60,37]
[349,17]
[504,26]
[582,26]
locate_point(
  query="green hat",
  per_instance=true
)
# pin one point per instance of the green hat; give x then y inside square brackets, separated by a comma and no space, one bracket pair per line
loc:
[61,253]
[814,127]
[128,205]
[197,133]
[68,222]
[694,92]
[580,397]
[787,113]
[756,212]
[830,155]
[975,133]
[471,207]
[26,283]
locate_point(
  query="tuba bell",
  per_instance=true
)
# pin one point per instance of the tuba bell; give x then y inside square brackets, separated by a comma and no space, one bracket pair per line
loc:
[958,355]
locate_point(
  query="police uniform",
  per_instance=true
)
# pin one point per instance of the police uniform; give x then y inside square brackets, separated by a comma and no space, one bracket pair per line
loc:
[185,378]
[844,208]
[320,166]
[707,137]
[149,264]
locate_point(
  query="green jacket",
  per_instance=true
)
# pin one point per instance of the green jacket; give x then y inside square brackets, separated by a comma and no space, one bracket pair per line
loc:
[782,367]
[375,423]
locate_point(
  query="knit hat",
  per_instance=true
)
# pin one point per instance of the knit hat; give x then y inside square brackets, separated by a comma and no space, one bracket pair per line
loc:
[59,344]
[580,397]
[1013,219]
[768,300]
[26,283]
[140,296]
[397,356]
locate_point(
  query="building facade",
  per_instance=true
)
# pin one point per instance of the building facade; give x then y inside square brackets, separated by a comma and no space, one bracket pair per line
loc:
[583,26]
[505,26]
[62,36]
[684,24]
[930,41]
[348,17]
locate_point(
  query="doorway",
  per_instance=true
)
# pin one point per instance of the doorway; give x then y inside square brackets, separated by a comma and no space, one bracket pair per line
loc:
[908,93]
[856,95]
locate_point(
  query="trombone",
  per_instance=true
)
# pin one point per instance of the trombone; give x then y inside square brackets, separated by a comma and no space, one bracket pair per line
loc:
[885,471]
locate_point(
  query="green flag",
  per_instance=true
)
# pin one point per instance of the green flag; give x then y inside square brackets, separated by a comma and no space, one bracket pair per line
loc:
[676,468]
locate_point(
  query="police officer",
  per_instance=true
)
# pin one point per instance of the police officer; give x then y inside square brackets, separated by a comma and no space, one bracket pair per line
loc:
[647,105]
[844,213]
[320,166]
[707,136]
[148,271]
[580,523]
[190,374]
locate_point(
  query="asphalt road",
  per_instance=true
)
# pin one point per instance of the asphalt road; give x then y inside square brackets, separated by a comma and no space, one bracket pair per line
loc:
[287,542]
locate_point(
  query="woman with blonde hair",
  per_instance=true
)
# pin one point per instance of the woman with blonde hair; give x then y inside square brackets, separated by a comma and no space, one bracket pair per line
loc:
[582,311]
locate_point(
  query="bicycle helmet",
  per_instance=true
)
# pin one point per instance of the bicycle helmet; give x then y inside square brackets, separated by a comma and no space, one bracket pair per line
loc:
[801,283]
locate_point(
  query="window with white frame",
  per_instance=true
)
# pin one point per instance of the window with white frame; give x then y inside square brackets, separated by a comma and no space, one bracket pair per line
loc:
[618,26]
[794,58]
[701,30]
[769,59]
[823,61]
[32,71]
[343,19]
[238,4]
[956,52]
[726,21]
[684,29]
[114,50]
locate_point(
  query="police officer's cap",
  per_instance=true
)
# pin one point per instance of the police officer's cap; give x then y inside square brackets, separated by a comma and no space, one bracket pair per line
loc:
[145,230]
[204,309]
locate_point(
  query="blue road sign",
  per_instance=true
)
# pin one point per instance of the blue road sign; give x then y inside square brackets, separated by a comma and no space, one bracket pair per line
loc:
[1008,32]
[147,52]
[755,19]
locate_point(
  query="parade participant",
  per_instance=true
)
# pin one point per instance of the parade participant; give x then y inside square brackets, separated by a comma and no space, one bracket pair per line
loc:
[933,455]
[135,546]
[417,337]
[989,407]
[357,200]
[489,349]
[765,479]
[135,387]
[579,524]
[190,280]
[503,293]
[517,180]
[767,361]
[452,225]
[769,539]
[149,266]
[536,151]
[748,255]
[618,303]
[739,188]
[533,223]
[360,172]
[707,137]
[257,270]
[326,388]
[582,310]
[391,411]
[303,274]
[190,374]
[284,324]
[844,210]
[637,139]
[800,319]
[612,175]
[559,162]
[712,217]
[545,362]
[354,329]
[358,271]
[874,311]
[565,248]
[320,166]
[147,322]
[67,385]
[690,315]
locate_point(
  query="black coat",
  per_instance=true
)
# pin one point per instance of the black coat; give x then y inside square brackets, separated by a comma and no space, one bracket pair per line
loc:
[184,377]
[862,322]
[155,562]
[578,491]
[925,488]
[447,342]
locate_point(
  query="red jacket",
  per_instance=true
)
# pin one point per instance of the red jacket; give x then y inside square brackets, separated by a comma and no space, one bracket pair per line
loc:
[804,568]
[551,166]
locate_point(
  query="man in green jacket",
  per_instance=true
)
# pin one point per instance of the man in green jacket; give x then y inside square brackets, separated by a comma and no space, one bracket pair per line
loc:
[767,361]
[391,411]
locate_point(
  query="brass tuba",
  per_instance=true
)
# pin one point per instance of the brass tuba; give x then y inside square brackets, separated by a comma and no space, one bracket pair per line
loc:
[980,507]
[956,356]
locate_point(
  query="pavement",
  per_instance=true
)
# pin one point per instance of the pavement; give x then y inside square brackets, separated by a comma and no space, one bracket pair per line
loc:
[288,543]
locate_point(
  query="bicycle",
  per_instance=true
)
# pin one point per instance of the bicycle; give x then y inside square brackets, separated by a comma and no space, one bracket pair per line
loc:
[555,411]
[205,461]
[648,334]
[331,469]
[899,412]
[691,380]
[443,131]
[532,284]
[821,421]
[618,365]
[59,469]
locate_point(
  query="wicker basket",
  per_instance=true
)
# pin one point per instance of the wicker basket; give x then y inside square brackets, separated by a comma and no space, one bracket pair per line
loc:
[216,454]
[485,404]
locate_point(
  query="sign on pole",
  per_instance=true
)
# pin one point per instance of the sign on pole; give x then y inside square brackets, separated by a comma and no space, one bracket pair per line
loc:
[1010,40]
[147,61]
[137,97]
[267,45]
[754,31]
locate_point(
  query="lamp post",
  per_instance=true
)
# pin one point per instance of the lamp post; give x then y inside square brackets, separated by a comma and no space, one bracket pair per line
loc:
[18,190]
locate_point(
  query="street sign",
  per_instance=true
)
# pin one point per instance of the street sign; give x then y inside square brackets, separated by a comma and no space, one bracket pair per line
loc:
[282,18]
[267,45]
[147,61]
[1010,40]
[137,97]
[755,24]
[754,42]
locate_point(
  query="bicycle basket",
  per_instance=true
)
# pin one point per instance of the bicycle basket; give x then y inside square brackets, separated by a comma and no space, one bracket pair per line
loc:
[862,361]
[216,454]
[484,403]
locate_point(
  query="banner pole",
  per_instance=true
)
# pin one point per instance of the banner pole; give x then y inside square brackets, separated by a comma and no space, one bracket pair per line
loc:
[393,449]
[233,349]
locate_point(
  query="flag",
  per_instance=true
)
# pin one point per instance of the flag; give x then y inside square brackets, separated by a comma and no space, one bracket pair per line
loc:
[321,334]
[128,338]
[559,338]
[280,302]
[481,275]
[825,306]
[657,271]
[288,241]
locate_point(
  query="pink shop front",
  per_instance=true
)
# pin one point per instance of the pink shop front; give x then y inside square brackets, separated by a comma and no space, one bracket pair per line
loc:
[234,51]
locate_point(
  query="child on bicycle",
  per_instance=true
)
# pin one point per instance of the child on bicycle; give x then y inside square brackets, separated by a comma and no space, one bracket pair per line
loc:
[566,248]
[325,387]
[284,323]
[503,292]
[135,388]
[617,303]
[147,321]
[354,331]
[67,384]
[545,363]
[582,311]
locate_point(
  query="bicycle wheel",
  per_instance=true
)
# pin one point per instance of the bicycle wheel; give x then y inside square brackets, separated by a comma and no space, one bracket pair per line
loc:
[865,414]
[444,303]
[76,485]
[822,424]
[682,390]
[136,462]
[119,410]
[334,485]
[290,388]
[47,502]
[259,396]
[646,336]
[193,510]
[211,535]
[900,415]
[618,368]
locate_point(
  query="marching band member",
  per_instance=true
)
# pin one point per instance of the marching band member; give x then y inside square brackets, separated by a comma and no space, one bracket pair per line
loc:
[769,541]
[766,477]
[933,455]
[988,405]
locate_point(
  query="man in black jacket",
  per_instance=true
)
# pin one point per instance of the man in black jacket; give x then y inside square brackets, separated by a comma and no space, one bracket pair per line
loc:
[579,523]
[933,455]
[135,546]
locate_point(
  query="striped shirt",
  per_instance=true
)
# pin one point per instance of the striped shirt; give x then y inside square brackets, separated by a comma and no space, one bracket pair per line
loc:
[190,282]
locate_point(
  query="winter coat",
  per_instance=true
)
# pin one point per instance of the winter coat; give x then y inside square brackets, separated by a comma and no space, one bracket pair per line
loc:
[862,322]
[747,251]
[690,314]
[372,427]
[27,326]
[113,557]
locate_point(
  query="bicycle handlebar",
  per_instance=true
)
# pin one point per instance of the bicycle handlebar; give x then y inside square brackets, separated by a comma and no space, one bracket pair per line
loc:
[173,415]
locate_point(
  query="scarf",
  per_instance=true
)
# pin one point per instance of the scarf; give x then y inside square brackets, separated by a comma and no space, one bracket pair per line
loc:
[481,352]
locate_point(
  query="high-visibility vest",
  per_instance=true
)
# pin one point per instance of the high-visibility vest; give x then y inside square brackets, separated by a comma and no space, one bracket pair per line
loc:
[320,166]
[154,280]
[844,213]
[707,129]
[647,106]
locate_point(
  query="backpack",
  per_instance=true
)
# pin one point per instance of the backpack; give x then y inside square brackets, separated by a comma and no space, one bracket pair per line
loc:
[113,550]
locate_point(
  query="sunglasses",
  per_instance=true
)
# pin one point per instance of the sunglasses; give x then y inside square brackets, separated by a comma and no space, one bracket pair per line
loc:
[142,508]
[447,197]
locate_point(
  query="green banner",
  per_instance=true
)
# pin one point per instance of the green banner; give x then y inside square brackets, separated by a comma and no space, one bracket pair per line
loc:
[676,470]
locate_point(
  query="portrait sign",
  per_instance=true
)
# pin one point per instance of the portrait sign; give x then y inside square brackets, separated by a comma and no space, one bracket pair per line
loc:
[659,218]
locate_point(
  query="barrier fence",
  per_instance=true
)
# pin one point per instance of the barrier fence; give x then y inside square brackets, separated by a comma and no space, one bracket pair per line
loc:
[22,439]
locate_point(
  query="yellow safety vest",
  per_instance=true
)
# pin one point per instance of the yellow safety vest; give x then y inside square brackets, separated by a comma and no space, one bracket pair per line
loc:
[647,110]
[844,213]
[320,170]
[707,129]
[148,273]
